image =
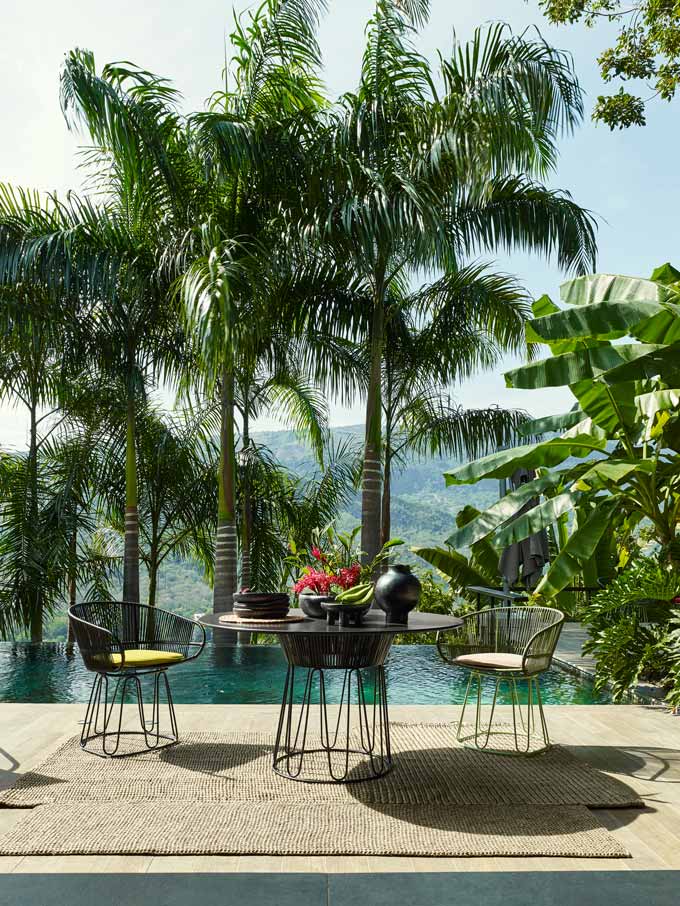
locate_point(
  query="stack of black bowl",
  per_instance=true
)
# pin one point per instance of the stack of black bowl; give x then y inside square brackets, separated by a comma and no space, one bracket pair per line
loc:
[255,605]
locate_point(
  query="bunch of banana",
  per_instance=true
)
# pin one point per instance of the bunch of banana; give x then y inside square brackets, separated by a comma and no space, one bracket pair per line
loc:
[358,594]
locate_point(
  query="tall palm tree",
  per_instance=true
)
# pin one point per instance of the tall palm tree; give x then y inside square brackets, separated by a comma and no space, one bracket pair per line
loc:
[410,177]
[260,119]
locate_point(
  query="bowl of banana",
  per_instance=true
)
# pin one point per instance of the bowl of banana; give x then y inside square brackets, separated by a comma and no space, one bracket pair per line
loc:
[350,605]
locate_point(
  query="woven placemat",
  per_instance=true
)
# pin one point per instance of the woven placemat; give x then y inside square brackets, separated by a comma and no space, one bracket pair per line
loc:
[235,618]
[430,769]
[293,828]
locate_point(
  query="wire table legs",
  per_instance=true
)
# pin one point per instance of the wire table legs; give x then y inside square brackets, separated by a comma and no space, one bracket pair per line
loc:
[103,729]
[349,746]
[525,737]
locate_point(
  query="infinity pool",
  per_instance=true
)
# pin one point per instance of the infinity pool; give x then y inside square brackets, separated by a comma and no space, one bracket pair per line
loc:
[255,674]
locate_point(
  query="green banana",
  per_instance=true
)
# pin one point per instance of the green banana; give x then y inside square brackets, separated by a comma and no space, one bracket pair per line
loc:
[358,594]
[357,591]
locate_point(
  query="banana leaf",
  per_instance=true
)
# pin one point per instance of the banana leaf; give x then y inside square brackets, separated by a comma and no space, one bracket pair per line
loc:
[550,423]
[578,550]
[611,472]
[663,327]
[606,320]
[547,453]
[536,519]
[572,367]
[650,405]
[544,307]
[611,407]
[666,274]
[454,567]
[659,360]
[500,512]
[595,288]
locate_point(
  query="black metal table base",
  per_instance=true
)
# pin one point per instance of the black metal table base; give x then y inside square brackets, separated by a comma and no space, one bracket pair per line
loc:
[350,747]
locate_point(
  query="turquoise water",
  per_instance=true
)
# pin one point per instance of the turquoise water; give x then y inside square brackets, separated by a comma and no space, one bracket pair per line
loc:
[255,674]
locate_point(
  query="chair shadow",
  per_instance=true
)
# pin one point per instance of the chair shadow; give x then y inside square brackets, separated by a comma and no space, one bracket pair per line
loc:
[213,759]
[9,776]
[652,763]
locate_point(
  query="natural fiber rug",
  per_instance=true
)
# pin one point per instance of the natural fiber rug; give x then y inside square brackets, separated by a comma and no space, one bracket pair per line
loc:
[298,828]
[429,769]
[216,793]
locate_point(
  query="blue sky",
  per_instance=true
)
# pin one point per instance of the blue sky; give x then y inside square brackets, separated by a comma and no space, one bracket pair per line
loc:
[626,178]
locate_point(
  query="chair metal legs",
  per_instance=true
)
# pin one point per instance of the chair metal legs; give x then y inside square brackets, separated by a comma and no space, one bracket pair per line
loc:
[103,730]
[525,737]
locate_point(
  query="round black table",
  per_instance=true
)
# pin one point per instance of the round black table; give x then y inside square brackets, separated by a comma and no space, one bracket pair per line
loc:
[355,744]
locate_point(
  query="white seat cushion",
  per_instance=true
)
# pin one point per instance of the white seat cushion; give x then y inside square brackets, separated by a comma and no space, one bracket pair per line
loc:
[494,660]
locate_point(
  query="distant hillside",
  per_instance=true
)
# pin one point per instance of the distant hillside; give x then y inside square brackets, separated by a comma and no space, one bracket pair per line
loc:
[423,508]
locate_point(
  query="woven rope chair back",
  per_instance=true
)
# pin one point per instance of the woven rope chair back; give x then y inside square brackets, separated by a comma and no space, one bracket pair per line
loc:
[105,627]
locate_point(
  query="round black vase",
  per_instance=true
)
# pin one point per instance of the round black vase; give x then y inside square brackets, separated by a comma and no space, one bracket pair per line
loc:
[310,604]
[397,592]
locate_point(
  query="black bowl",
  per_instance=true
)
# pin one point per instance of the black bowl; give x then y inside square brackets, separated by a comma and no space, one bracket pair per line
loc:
[260,599]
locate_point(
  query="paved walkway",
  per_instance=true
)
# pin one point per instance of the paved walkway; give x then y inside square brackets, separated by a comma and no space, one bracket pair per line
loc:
[569,654]
[570,648]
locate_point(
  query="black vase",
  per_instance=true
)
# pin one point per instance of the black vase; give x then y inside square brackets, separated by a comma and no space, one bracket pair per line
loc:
[397,592]
[310,604]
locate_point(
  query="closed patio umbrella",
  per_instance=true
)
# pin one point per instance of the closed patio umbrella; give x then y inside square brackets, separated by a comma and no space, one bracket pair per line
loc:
[528,557]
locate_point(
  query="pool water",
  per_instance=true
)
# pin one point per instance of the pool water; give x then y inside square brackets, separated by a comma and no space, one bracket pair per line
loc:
[254,674]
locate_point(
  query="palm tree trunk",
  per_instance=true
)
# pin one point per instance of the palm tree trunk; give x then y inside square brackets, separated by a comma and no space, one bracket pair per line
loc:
[226,542]
[36,614]
[246,517]
[153,580]
[131,546]
[371,484]
[386,520]
[72,586]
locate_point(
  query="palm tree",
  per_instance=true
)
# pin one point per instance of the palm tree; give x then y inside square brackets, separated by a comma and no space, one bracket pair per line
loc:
[225,290]
[104,256]
[282,391]
[408,177]
[286,506]
[176,467]
[421,364]
[34,341]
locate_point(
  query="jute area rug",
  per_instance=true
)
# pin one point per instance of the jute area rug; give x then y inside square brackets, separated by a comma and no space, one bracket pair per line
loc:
[215,793]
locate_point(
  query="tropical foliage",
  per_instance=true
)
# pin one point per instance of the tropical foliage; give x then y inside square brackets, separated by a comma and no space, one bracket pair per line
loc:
[190,264]
[617,449]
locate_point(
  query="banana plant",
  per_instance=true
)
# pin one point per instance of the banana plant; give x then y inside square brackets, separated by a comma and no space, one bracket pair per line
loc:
[613,460]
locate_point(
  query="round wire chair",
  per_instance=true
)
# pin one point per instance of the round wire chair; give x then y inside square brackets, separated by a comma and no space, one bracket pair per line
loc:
[120,642]
[509,645]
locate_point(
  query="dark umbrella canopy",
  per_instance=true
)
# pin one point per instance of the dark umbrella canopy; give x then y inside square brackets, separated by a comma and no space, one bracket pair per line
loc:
[527,557]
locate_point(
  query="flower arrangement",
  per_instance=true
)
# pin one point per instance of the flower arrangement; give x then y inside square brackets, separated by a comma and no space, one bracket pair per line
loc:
[332,564]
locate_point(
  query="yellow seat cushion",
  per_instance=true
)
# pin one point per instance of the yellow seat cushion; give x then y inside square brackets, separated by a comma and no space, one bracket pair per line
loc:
[493,660]
[144,657]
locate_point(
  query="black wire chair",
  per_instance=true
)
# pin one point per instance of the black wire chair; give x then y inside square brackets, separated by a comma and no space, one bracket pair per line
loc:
[122,641]
[510,645]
